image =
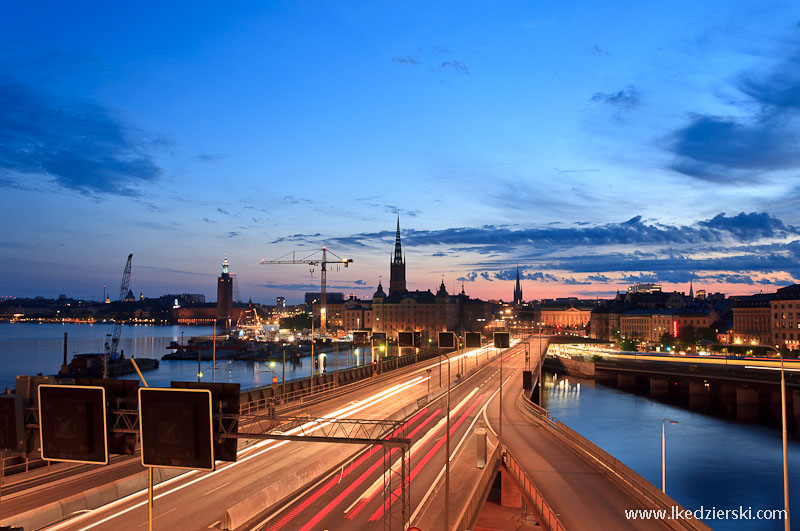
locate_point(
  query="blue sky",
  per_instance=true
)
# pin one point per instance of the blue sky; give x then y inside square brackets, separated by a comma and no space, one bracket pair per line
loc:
[592,144]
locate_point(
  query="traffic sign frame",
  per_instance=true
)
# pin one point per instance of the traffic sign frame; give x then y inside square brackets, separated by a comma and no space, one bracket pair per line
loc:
[156,461]
[98,401]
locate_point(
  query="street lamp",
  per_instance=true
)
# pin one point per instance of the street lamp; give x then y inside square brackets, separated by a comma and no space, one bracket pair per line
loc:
[664,453]
[785,460]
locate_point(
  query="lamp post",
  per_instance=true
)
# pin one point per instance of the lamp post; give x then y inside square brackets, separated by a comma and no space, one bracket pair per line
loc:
[664,454]
[785,457]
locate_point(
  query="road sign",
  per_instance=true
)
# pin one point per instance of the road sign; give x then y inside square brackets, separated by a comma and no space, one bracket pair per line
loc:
[405,339]
[72,423]
[501,340]
[473,340]
[225,399]
[175,428]
[447,340]
[12,423]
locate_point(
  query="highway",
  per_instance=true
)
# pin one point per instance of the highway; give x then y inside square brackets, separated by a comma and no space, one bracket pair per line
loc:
[354,497]
[198,500]
[583,496]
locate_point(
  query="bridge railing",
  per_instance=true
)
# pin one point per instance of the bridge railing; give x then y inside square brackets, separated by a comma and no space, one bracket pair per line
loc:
[612,464]
[549,518]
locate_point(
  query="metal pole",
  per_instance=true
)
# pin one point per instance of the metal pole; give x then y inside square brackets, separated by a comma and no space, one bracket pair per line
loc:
[283,378]
[663,459]
[150,469]
[785,456]
[199,353]
[214,355]
[150,500]
[440,370]
[500,433]
[311,392]
[3,465]
[447,457]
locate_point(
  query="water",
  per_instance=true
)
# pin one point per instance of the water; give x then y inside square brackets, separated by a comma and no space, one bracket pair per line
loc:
[710,462]
[31,348]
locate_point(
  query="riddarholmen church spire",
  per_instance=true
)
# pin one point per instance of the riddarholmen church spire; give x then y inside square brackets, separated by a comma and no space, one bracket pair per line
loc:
[397,267]
[518,290]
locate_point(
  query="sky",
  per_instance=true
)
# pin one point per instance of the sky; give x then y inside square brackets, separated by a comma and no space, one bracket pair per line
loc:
[592,145]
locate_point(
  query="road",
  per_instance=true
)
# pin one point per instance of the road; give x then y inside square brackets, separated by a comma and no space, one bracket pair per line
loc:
[581,495]
[355,497]
[198,500]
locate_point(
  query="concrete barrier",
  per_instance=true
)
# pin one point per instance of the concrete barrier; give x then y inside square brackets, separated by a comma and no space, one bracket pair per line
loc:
[259,502]
[93,498]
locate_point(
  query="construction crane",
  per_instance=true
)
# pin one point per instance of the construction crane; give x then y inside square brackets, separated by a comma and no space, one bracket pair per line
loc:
[314,261]
[111,347]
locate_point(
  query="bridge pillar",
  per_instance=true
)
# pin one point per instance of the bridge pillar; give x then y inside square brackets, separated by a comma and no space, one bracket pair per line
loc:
[698,395]
[746,404]
[510,493]
[795,397]
[727,398]
[659,387]
[626,381]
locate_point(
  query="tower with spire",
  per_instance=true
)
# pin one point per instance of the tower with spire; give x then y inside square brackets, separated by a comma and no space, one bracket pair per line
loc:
[518,290]
[224,295]
[397,266]
[691,290]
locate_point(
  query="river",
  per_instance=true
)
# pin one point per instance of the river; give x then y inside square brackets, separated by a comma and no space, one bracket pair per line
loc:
[31,348]
[710,462]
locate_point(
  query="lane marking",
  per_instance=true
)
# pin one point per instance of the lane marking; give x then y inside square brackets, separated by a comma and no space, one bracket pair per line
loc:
[217,488]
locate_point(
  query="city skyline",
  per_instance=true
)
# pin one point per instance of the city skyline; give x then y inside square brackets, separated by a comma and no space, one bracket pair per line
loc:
[662,151]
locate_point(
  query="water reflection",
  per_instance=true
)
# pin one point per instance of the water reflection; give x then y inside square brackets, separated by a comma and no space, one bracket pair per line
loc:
[711,462]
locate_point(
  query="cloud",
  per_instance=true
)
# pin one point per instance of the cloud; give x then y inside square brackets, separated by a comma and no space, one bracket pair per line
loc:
[223,211]
[627,98]
[596,50]
[233,234]
[749,227]
[454,66]
[496,238]
[81,146]
[765,138]
[407,60]
[207,157]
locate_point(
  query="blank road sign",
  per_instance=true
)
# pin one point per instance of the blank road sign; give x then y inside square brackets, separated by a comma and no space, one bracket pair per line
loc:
[405,339]
[12,423]
[473,340]
[175,428]
[447,340]
[72,423]
[501,340]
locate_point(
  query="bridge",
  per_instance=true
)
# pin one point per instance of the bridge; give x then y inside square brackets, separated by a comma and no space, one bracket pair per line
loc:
[545,468]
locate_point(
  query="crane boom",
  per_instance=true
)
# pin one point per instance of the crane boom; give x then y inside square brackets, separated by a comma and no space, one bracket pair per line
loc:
[314,260]
[111,348]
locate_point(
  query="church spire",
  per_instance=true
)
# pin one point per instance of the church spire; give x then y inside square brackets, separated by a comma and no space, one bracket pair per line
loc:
[518,290]
[397,267]
[691,290]
[398,252]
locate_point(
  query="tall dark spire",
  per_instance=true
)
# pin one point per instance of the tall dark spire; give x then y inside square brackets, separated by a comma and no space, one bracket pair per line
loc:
[397,267]
[518,290]
[398,252]
[691,290]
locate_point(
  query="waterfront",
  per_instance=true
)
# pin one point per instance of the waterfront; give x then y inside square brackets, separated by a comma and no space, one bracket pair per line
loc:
[711,462]
[30,348]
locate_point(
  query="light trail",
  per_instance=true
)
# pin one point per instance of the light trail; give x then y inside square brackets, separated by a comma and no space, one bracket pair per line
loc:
[310,426]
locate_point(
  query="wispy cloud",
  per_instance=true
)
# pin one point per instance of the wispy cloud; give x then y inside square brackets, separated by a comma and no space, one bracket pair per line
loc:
[627,98]
[81,146]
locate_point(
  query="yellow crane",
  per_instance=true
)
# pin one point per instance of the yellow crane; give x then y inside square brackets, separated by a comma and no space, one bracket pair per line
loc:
[314,260]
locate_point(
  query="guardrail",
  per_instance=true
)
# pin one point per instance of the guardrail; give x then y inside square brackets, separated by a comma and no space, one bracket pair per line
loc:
[548,517]
[328,385]
[612,464]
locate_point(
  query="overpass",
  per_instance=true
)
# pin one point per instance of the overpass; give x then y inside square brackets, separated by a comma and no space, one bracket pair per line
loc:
[292,485]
